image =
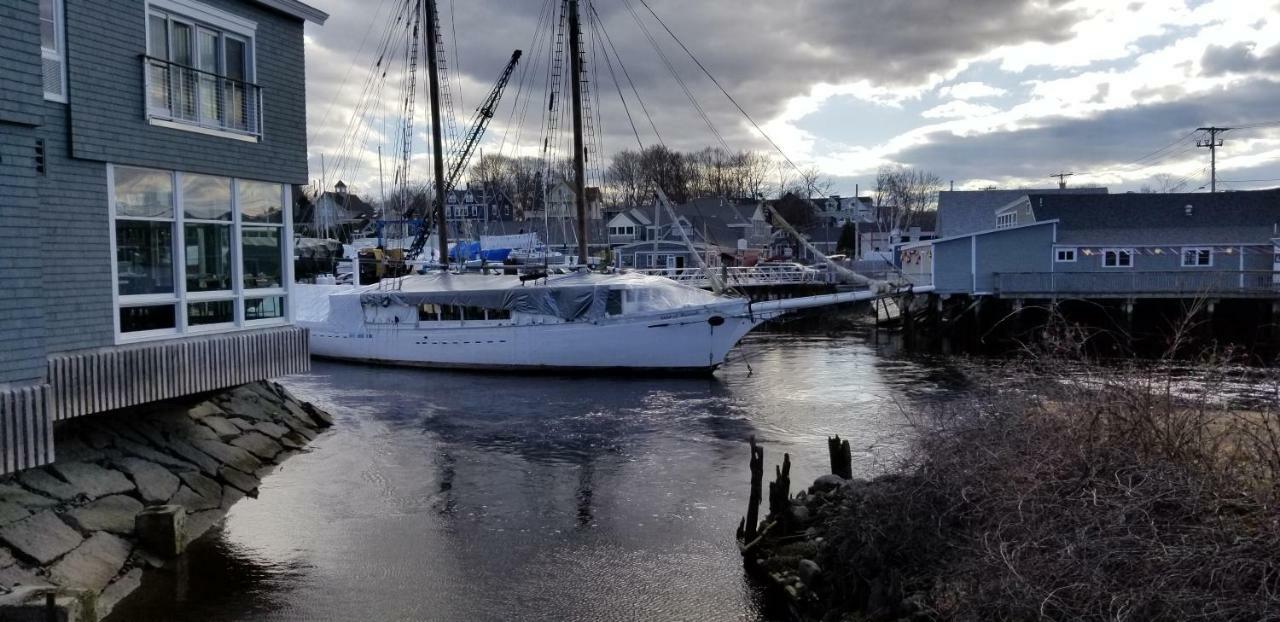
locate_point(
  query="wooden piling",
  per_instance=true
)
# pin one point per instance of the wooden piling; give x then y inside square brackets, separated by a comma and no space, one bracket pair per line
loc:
[841,457]
[780,494]
[752,521]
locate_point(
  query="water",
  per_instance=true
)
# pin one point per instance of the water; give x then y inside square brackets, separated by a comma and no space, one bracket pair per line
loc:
[455,496]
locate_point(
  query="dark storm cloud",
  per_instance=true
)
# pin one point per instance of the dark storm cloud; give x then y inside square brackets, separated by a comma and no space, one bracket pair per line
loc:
[1111,140]
[1238,58]
[763,51]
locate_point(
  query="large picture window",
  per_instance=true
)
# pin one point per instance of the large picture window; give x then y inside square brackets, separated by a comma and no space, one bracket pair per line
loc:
[197,253]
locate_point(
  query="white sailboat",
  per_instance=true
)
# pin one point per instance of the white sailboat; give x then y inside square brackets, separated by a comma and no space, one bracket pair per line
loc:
[581,321]
[576,322]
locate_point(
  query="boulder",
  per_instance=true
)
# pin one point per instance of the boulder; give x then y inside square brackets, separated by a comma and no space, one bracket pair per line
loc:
[73,449]
[17,495]
[41,537]
[193,501]
[205,409]
[293,440]
[155,483]
[271,429]
[227,454]
[244,424]
[322,418]
[202,485]
[30,603]
[188,430]
[117,591]
[243,481]
[152,455]
[42,481]
[828,482]
[207,464]
[258,444]
[93,564]
[162,530]
[6,558]
[230,496]
[225,430]
[93,480]
[809,571]
[10,512]
[300,428]
[113,513]
[200,523]
[12,576]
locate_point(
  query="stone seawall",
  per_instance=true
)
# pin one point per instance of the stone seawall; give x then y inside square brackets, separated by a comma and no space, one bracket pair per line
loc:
[68,529]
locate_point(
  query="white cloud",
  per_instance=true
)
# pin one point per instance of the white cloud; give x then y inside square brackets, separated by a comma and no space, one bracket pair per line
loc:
[959,109]
[971,90]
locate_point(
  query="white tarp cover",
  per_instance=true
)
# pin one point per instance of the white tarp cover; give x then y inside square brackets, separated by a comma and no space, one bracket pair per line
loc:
[568,297]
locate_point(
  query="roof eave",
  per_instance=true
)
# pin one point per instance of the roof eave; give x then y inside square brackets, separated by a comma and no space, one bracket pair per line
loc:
[297,9]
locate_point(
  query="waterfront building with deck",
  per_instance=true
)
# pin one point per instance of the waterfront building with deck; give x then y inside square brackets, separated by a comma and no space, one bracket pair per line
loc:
[147,152]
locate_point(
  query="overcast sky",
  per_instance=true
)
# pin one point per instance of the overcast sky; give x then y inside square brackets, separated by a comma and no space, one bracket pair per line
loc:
[982,92]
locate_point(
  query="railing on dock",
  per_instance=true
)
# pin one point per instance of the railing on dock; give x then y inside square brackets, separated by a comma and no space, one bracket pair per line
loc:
[1137,283]
[794,274]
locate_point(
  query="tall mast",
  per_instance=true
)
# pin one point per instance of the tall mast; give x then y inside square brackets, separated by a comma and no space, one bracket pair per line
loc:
[579,153]
[437,140]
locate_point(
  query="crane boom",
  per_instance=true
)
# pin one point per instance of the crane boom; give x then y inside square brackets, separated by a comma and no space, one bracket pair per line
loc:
[485,113]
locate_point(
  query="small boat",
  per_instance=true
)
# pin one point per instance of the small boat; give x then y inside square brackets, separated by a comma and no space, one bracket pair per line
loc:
[568,323]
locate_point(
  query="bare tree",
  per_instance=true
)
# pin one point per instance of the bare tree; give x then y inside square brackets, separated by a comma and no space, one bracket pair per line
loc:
[902,193]
[1164,183]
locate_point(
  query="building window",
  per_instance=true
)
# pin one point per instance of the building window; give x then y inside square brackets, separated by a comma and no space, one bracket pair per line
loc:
[1004,221]
[1197,257]
[53,50]
[1117,258]
[1064,255]
[196,252]
[200,69]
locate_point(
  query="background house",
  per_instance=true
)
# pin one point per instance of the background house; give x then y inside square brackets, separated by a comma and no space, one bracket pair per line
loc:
[1125,245]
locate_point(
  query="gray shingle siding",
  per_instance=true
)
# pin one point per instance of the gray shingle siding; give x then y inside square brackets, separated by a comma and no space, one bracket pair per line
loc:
[21,320]
[961,212]
[106,42]
[77,267]
[20,69]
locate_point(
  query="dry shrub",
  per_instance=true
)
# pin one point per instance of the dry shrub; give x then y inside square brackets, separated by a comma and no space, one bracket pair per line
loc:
[1099,492]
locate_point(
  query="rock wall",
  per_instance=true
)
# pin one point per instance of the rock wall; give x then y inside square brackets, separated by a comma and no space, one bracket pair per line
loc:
[70,525]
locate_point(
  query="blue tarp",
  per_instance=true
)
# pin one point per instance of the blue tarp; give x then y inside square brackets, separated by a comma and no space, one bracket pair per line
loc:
[467,251]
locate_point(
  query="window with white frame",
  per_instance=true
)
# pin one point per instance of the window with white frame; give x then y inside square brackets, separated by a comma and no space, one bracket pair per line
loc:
[53,50]
[1197,256]
[196,253]
[1064,255]
[1117,258]
[200,68]
[1004,221]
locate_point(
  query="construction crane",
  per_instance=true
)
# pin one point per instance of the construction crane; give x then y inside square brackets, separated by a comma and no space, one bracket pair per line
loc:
[484,114]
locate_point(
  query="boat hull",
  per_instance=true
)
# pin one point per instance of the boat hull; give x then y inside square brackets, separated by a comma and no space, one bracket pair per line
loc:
[686,342]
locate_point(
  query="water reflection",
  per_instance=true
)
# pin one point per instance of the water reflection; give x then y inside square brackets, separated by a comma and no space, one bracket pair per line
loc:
[448,496]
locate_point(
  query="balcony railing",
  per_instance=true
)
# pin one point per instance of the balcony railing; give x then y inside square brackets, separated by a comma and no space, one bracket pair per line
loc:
[186,95]
[1124,283]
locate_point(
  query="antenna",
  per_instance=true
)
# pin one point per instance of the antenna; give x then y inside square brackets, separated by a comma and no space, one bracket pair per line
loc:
[1062,179]
[1213,142]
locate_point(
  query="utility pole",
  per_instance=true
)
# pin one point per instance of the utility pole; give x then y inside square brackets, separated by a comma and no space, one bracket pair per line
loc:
[1062,179]
[579,155]
[1213,142]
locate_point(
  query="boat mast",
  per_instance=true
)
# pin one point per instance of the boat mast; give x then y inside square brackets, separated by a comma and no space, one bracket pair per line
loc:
[579,153]
[437,140]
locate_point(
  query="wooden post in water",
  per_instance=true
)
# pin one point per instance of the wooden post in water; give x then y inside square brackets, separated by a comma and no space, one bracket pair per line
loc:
[841,457]
[780,493]
[752,521]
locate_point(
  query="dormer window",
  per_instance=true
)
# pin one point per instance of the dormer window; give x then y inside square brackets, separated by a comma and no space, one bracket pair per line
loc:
[200,70]
[1004,221]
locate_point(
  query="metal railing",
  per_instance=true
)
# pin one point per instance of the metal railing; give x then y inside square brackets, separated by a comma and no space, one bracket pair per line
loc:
[1180,283]
[182,94]
[737,275]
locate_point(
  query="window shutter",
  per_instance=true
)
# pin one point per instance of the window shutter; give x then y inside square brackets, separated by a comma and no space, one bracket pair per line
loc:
[53,78]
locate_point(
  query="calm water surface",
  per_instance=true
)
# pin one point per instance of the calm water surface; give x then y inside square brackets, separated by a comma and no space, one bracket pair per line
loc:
[455,496]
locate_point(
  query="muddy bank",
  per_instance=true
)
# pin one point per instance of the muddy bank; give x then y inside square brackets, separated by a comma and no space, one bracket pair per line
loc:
[171,469]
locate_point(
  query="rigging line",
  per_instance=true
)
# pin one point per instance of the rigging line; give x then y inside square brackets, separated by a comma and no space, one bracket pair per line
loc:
[457,64]
[534,50]
[536,60]
[676,74]
[597,128]
[719,86]
[378,73]
[609,63]
[354,59]
[626,74]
